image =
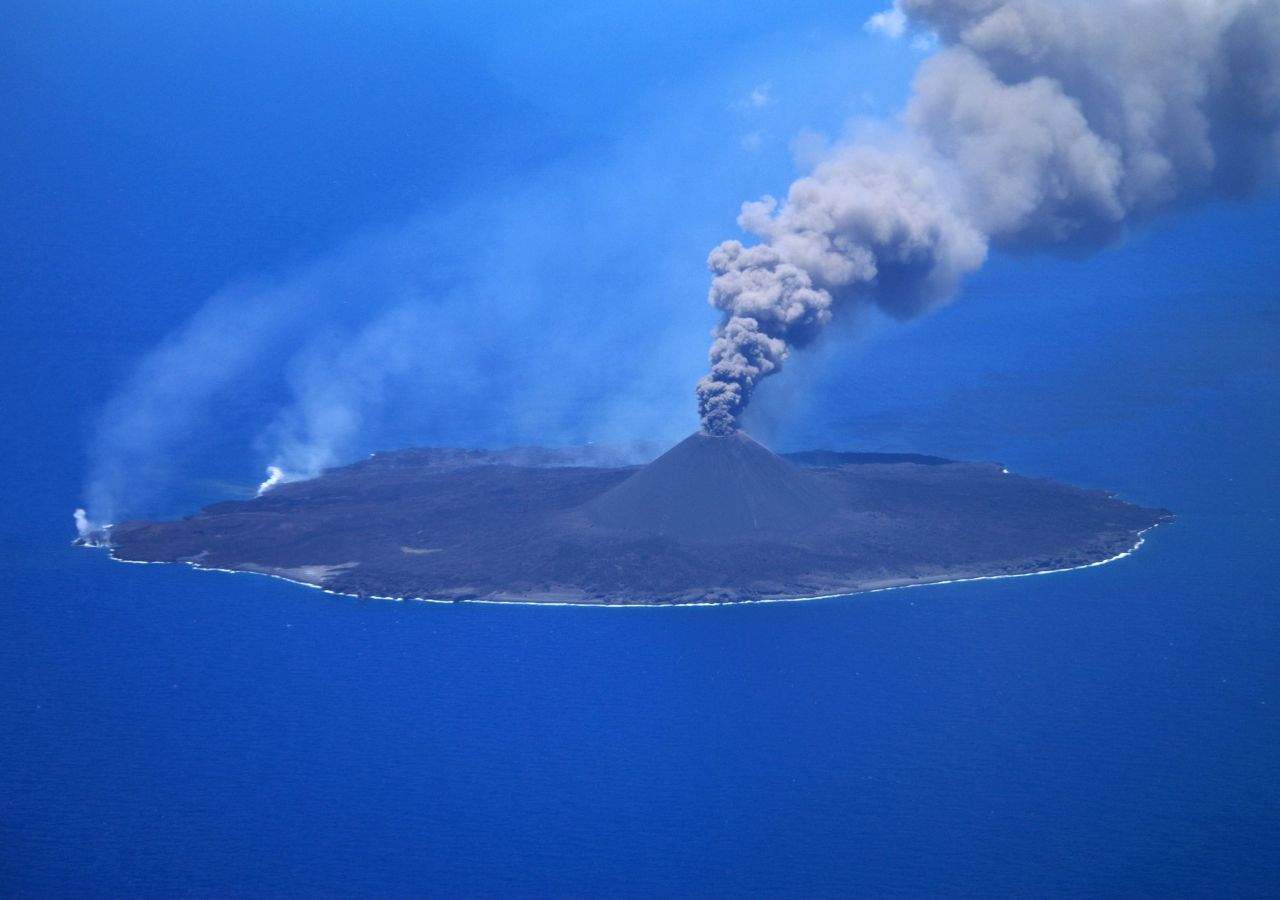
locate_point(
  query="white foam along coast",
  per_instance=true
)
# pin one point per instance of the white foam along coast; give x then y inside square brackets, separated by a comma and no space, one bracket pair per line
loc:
[1139,540]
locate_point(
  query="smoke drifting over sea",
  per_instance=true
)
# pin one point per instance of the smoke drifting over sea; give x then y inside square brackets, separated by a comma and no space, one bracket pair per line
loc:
[458,326]
[547,302]
[1038,126]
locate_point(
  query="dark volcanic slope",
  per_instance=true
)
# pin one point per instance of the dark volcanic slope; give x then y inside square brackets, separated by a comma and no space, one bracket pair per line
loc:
[714,489]
[713,519]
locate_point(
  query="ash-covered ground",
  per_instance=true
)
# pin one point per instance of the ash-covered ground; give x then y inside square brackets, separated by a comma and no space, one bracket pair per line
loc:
[714,519]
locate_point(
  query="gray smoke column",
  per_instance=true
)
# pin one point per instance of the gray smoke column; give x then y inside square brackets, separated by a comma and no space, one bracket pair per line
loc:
[1038,126]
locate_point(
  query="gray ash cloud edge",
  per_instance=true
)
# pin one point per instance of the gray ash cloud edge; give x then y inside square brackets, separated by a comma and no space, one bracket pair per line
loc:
[1038,126]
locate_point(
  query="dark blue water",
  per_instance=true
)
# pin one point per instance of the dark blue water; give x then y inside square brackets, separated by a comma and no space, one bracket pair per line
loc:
[1111,732]
[1106,732]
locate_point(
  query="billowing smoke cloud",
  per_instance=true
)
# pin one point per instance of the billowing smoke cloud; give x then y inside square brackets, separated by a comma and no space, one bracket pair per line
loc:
[1040,125]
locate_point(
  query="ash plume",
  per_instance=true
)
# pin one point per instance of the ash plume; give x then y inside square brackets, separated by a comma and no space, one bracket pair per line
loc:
[1038,126]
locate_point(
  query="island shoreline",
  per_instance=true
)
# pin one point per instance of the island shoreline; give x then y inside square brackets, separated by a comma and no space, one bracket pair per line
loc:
[1140,539]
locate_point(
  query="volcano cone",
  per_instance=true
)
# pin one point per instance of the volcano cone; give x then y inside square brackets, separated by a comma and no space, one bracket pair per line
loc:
[715,487]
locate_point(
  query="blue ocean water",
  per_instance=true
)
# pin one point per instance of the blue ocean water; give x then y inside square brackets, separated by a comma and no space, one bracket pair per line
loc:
[1110,732]
[1105,732]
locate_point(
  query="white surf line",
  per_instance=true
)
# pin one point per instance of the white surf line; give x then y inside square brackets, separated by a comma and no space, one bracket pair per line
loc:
[1141,539]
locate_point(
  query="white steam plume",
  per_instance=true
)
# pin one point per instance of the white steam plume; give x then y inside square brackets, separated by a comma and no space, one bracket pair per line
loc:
[476,324]
[275,475]
[1041,125]
[167,397]
[337,386]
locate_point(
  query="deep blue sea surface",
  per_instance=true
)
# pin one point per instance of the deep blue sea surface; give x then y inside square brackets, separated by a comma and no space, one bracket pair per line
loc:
[1105,732]
[1109,732]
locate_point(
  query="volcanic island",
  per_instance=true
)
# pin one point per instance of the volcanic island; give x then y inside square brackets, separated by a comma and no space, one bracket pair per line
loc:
[715,519]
